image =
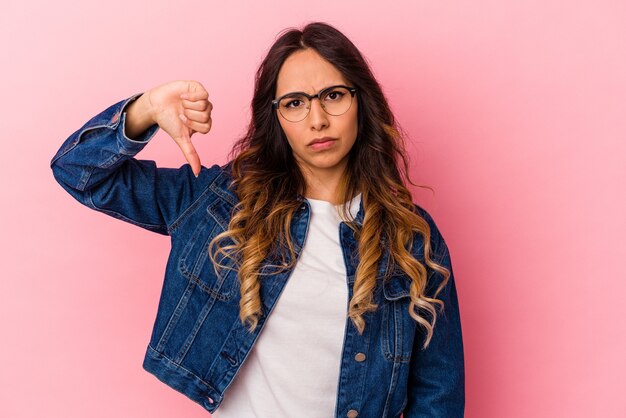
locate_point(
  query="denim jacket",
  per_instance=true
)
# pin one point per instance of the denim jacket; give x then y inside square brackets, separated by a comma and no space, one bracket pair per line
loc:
[198,342]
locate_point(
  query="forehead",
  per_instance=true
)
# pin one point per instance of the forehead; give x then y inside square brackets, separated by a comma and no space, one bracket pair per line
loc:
[307,71]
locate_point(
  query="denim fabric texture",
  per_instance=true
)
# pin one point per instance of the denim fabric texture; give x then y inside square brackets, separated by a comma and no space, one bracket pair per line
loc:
[198,343]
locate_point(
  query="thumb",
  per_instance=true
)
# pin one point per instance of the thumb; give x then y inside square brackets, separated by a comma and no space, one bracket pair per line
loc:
[189,151]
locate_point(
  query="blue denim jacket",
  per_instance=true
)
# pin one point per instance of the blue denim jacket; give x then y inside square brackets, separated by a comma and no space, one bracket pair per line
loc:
[198,343]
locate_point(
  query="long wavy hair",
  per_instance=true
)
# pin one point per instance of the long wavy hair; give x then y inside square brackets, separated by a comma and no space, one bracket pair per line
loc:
[268,182]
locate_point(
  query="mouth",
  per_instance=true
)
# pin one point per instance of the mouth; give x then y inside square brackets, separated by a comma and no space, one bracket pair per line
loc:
[325,143]
[322,140]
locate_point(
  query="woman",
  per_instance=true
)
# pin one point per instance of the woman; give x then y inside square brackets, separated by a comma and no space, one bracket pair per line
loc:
[308,233]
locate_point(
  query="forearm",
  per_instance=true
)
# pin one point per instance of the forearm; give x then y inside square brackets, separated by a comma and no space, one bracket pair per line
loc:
[94,151]
[96,166]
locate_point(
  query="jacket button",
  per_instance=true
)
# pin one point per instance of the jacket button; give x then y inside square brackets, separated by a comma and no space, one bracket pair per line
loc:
[359,357]
[352,413]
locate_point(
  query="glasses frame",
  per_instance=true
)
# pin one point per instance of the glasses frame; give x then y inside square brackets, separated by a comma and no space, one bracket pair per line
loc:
[318,95]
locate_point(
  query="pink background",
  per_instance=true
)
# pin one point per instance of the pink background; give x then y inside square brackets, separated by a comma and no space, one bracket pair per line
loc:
[516,113]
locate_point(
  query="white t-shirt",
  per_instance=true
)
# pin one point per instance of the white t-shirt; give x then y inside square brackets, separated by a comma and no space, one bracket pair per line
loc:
[293,367]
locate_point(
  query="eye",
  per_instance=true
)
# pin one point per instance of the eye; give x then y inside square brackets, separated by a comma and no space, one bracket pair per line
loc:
[335,95]
[291,102]
[295,101]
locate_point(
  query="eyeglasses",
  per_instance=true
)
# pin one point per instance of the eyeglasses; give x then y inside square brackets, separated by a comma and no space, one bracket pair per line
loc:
[335,100]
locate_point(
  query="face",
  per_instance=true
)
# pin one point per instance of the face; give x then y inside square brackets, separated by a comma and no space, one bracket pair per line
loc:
[306,71]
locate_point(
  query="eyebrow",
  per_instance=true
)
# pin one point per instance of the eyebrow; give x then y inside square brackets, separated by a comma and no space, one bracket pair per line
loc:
[323,88]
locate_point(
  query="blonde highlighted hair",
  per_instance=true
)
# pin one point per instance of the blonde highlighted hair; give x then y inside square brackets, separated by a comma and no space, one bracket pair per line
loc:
[267,180]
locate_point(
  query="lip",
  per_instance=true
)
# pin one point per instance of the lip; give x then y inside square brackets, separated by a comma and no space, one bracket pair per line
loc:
[323,139]
[320,146]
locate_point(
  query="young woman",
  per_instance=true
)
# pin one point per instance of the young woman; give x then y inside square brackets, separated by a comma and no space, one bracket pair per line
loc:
[308,234]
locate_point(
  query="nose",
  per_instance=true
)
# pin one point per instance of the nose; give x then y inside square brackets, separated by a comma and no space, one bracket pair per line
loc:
[317,115]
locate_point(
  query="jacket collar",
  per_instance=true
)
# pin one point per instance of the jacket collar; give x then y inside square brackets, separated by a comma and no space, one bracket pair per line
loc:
[393,289]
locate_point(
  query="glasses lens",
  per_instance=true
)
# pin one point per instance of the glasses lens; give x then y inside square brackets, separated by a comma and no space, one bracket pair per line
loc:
[337,101]
[294,107]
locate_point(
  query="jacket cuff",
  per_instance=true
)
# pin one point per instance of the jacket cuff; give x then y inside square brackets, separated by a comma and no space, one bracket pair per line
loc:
[118,122]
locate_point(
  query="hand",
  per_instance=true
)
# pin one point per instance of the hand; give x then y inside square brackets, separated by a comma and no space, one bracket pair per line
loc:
[182,108]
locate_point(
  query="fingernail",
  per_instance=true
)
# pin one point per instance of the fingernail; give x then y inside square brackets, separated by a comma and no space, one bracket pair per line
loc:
[184,96]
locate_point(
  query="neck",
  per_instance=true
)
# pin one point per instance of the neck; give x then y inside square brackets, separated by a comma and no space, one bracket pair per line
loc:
[324,185]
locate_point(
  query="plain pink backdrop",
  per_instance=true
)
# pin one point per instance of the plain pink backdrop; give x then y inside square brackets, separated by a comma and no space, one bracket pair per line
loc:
[517,117]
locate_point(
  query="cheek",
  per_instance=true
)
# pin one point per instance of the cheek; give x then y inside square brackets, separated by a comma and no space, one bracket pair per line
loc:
[292,135]
[354,121]
[352,128]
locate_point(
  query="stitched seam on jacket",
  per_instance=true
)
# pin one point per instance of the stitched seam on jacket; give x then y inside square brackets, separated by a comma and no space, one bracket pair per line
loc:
[122,217]
[187,212]
[172,364]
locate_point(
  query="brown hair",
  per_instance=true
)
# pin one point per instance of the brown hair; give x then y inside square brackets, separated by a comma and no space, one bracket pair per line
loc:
[267,181]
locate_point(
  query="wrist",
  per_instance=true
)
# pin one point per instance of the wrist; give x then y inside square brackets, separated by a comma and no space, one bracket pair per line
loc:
[142,110]
[139,116]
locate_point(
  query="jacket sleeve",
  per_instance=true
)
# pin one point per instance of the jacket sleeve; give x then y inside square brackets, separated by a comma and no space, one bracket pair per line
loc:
[96,165]
[436,386]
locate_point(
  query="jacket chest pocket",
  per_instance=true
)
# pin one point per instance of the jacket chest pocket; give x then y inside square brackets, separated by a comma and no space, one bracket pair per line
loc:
[195,263]
[398,327]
